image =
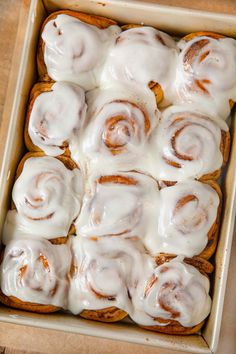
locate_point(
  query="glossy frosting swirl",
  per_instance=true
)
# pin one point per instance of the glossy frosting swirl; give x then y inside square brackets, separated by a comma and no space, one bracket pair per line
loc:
[119,127]
[117,205]
[57,117]
[206,72]
[36,271]
[103,270]
[186,214]
[74,50]
[140,56]
[188,144]
[174,291]
[47,197]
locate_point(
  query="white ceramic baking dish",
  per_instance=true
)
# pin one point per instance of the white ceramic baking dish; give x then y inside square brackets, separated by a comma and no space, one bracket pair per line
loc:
[23,75]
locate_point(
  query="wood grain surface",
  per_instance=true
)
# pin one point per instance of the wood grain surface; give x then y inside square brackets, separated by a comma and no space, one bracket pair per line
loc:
[16,339]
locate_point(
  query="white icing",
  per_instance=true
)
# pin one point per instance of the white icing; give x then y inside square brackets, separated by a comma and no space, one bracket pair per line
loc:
[57,117]
[183,224]
[174,291]
[110,266]
[47,197]
[74,51]
[104,270]
[198,138]
[141,55]
[213,60]
[33,271]
[120,208]
[129,133]
[194,136]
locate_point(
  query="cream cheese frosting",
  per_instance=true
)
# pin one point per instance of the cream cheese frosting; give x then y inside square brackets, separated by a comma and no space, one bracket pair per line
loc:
[57,117]
[140,56]
[74,51]
[206,72]
[47,197]
[186,213]
[123,204]
[33,271]
[125,143]
[175,291]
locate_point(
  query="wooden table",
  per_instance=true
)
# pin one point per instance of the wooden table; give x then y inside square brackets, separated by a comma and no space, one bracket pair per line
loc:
[19,339]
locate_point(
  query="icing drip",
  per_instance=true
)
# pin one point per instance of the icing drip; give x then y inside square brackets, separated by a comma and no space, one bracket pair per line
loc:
[32,271]
[174,291]
[206,73]
[75,51]
[57,117]
[186,214]
[47,197]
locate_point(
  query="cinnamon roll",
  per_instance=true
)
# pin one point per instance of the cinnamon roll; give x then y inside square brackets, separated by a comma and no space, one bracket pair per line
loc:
[47,197]
[34,275]
[119,129]
[56,114]
[143,56]
[206,71]
[73,47]
[188,219]
[190,144]
[119,205]
[103,269]
[174,298]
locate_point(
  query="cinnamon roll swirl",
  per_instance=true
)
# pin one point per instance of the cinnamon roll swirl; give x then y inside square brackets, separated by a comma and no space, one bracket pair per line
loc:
[34,275]
[188,219]
[142,56]
[190,144]
[118,130]
[47,197]
[55,116]
[206,71]
[73,47]
[119,205]
[103,269]
[174,298]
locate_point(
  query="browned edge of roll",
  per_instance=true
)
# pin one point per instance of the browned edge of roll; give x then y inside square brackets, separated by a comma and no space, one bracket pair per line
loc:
[12,301]
[108,314]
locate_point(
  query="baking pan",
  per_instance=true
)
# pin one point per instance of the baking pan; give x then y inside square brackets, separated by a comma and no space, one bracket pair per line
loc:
[175,21]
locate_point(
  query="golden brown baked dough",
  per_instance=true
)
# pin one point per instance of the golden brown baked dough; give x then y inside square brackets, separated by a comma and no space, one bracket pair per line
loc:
[12,301]
[214,230]
[109,314]
[37,89]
